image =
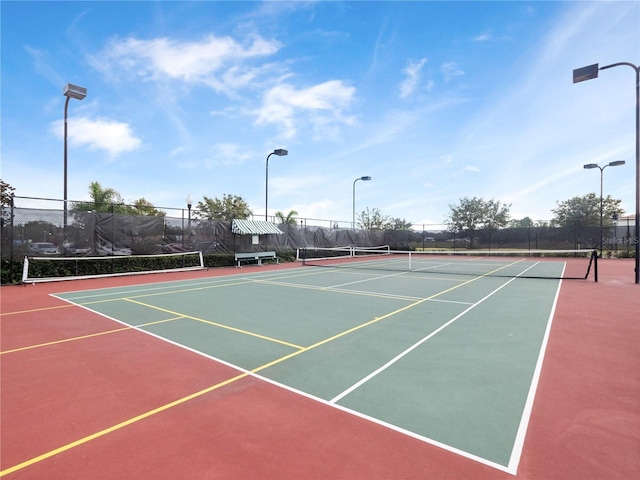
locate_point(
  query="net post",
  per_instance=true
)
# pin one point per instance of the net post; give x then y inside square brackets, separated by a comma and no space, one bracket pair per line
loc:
[25,269]
[594,255]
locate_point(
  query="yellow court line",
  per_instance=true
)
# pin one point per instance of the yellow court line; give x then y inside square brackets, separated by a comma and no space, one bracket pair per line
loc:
[390,314]
[37,310]
[120,425]
[82,337]
[208,287]
[182,400]
[304,274]
[221,325]
[337,290]
[169,292]
[64,340]
[233,283]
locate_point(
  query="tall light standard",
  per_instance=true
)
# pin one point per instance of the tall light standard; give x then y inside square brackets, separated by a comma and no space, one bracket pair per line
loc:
[366,179]
[595,165]
[70,91]
[281,152]
[589,72]
[189,201]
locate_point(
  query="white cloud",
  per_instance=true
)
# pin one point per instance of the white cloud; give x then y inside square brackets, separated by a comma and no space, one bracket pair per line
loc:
[450,70]
[282,182]
[191,62]
[176,151]
[229,154]
[42,64]
[101,134]
[483,37]
[412,77]
[465,170]
[319,105]
[324,209]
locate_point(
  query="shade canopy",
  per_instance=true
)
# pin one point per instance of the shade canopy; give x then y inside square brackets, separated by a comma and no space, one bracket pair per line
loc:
[254,227]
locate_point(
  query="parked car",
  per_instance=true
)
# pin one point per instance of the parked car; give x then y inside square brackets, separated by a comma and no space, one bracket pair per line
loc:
[108,249]
[77,250]
[43,248]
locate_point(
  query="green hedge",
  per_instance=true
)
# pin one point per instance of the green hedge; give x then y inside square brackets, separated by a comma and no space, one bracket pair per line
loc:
[11,272]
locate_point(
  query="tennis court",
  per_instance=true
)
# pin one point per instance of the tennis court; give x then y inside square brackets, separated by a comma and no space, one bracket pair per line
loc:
[442,360]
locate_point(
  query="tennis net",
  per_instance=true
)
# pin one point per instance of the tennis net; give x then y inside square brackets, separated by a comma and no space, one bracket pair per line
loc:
[552,264]
[52,269]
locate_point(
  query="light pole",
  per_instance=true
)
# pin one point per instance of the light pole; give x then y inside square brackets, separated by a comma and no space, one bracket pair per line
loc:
[189,203]
[70,91]
[595,165]
[279,152]
[365,179]
[589,72]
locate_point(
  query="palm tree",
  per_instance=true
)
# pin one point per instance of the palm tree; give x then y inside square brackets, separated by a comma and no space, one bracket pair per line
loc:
[103,200]
[289,219]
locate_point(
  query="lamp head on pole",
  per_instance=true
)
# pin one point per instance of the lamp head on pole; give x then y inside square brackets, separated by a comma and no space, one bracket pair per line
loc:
[189,201]
[74,91]
[281,152]
[591,165]
[616,163]
[366,179]
[585,73]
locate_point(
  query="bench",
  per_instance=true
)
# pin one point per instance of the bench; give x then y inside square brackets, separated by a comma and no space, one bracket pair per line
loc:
[255,256]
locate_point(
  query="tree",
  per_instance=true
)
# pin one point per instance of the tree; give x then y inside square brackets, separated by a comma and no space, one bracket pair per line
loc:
[473,214]
[289,219]
[144,207]
[6,192]
[372,219]
[108,200]
[105,200]
[398,224]
[6,195]
[228,208]
[40,231]
[525,222]
[585,211]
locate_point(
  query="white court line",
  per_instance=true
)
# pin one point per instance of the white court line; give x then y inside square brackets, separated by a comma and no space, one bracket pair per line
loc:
[516,451]
[207,282]
[415,345]
[378,277]
[518,446]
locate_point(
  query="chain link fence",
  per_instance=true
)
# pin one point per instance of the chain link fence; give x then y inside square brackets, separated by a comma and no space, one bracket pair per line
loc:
[35,227]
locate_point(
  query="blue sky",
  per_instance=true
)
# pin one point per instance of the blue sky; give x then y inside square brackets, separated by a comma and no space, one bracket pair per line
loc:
[434,100]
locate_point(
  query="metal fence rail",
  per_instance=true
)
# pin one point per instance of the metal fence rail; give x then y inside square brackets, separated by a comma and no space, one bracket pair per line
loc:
[32,226]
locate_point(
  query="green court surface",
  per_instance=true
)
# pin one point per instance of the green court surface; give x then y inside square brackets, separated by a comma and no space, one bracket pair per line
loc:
[451,360]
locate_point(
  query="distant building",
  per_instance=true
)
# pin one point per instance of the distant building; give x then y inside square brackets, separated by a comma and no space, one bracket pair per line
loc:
[625,220]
